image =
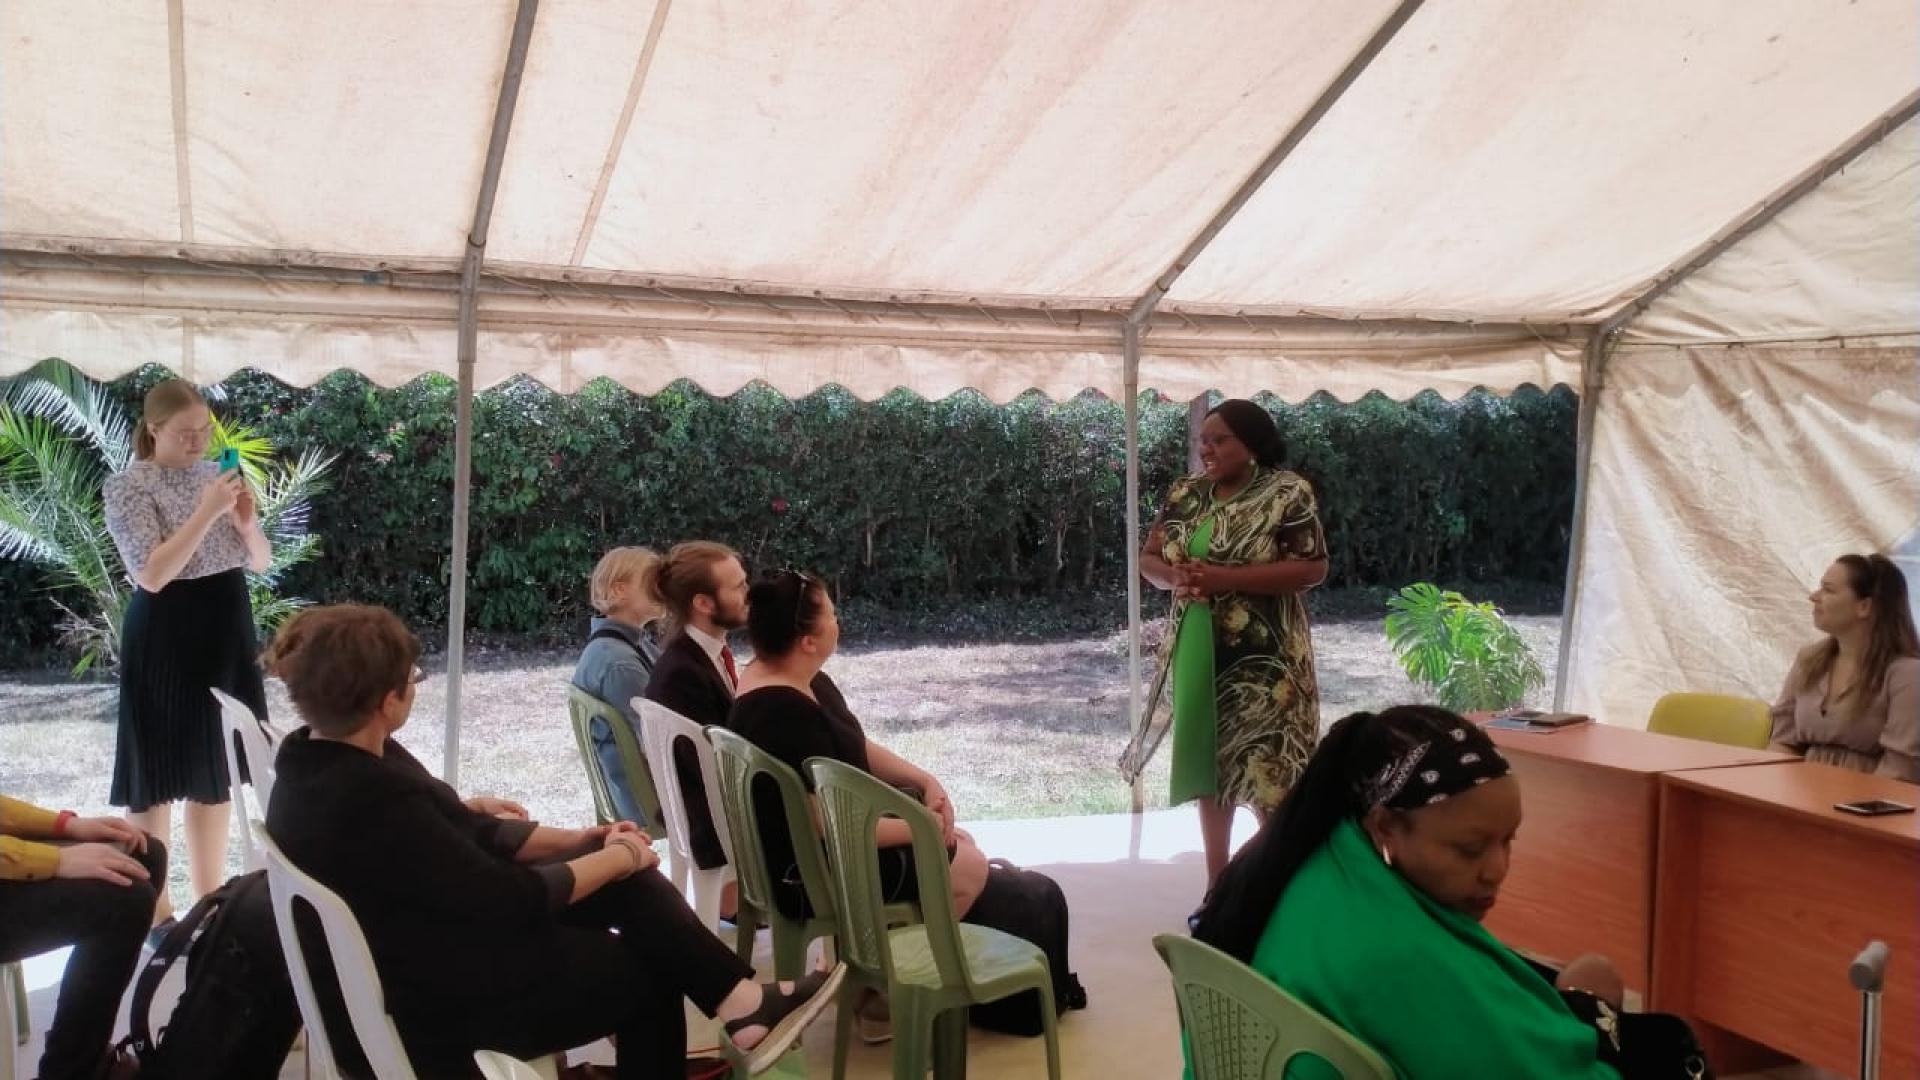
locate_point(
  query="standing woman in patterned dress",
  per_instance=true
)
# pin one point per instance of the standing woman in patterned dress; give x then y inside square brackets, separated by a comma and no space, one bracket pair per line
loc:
[187,533]
[1237,545]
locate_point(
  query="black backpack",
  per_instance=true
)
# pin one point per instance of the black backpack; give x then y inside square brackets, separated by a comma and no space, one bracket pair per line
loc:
[1029,905]
[237,1017]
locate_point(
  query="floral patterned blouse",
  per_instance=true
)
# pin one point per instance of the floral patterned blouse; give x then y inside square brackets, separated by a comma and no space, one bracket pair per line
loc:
[147,503]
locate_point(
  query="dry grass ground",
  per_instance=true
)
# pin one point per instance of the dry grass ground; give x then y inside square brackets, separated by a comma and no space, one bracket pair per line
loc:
[1013,730]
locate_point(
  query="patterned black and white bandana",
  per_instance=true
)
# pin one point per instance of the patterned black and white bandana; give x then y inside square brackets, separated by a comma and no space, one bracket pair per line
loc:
[1431,771]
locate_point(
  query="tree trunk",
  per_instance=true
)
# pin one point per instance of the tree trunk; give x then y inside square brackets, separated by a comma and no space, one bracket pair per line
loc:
[1093,552]
[1059,553]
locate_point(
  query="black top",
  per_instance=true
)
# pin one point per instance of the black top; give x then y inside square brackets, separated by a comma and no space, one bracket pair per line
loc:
[432,883]
[790,726]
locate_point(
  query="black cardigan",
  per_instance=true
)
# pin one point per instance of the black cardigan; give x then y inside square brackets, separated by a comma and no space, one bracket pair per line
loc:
[432,883]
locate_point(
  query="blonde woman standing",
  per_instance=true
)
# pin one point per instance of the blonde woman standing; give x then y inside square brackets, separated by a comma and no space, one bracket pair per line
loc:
[187,532]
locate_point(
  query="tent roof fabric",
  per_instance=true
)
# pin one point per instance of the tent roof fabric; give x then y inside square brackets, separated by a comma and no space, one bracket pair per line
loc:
[726,190]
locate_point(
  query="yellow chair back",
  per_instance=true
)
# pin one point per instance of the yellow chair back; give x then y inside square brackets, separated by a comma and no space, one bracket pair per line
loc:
[1719,718]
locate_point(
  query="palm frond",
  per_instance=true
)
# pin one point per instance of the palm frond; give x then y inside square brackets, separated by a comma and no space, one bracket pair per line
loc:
[56,391]
[23,535]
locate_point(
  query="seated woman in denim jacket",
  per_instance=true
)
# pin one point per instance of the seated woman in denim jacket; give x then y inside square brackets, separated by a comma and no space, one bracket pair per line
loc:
[618,661]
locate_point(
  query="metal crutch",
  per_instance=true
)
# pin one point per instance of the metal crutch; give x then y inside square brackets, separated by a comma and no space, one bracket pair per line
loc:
[1868,975]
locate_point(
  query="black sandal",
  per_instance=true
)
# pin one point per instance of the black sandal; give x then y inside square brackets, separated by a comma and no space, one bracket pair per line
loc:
[785,1015]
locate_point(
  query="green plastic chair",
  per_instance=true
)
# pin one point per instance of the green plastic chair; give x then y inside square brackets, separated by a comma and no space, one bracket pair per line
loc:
[739,764]
[1240,1026]
[584,709]
[1718,718]
[930,971]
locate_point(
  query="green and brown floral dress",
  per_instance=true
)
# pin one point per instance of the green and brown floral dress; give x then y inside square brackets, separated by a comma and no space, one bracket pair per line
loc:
[1246,705]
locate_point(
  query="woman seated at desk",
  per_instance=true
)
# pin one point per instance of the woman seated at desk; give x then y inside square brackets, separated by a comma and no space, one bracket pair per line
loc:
[1853,698]
[1362,896]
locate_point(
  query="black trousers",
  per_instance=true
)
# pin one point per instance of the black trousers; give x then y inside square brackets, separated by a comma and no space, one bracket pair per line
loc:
[589,984]
[106,924]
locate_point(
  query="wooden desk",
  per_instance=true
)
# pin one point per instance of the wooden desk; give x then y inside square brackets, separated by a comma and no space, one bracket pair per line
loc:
[1766,893]
[1583,864]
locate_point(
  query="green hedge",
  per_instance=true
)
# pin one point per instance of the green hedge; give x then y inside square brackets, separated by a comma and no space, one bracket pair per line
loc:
[905,504]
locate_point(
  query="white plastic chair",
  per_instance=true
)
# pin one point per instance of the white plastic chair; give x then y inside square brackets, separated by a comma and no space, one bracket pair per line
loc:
[495,1065]
[15,1026]
[660,729]
[359,981]
[252,740]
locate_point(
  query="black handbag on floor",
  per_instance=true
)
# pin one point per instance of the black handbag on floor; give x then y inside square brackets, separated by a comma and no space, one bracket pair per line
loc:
[1030,906]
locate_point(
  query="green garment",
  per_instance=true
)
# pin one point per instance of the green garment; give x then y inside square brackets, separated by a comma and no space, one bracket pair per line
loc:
[1427,988]
[1195,723]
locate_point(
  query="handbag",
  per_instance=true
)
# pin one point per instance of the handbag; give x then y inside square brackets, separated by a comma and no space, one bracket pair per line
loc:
[1642,1046]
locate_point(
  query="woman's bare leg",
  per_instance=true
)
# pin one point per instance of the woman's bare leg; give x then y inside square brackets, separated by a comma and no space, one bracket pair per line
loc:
[208,825]
[1216,834]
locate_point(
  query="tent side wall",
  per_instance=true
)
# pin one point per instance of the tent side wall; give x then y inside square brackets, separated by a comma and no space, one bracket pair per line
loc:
[1724,481]
[1758,420]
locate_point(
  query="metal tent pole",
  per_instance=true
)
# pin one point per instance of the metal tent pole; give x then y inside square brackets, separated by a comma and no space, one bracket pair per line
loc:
[1130,383]
[468,330]
[1592,379]
[1143,307]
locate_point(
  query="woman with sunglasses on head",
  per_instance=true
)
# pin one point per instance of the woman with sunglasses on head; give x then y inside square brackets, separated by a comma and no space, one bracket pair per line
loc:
[490,931]
[1363,895]
[791,709]
[1237,545]
[187,532]
[1853,698]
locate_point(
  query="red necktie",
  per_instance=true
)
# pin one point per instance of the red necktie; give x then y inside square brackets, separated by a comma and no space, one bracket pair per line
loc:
[733,674]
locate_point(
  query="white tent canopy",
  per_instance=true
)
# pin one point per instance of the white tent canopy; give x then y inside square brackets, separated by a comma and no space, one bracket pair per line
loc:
[1263,194]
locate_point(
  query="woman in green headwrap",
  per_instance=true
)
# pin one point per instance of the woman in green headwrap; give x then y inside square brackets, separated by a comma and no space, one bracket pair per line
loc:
[1362,896]
[1236,545]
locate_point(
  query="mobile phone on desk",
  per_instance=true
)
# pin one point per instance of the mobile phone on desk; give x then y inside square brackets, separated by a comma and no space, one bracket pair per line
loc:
[1873,807]
[229,460]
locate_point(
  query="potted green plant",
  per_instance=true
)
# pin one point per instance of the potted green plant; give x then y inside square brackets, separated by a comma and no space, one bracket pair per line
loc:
[1466,652]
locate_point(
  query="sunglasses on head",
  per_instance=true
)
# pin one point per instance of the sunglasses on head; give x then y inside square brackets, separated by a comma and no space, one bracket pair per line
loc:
[803,581]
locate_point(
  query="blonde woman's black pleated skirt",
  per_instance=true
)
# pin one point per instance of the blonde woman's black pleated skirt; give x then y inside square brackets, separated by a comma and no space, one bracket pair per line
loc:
[193,636]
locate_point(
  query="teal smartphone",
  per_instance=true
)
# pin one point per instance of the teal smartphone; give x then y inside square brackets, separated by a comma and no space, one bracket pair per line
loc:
[229,459]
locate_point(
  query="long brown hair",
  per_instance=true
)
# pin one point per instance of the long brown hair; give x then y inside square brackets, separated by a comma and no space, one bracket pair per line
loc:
[162,403]
[1891,635]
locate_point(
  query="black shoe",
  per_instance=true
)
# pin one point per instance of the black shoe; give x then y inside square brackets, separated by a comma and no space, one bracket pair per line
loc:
[785,1016]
